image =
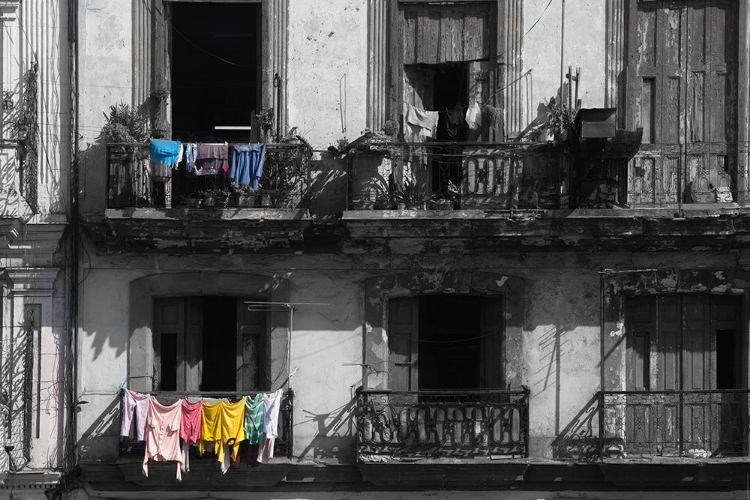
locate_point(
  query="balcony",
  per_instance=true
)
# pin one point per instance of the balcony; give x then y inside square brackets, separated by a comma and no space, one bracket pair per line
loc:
[692,424]
[432,424]
[134,181]
[515,176]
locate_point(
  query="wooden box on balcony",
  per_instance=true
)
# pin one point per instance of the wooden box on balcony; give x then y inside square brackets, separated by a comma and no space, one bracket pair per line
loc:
[595,123]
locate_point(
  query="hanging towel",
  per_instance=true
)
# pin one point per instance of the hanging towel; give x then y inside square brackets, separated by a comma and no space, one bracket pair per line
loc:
[134,403]
[497,123]
[165,152]
[190,429]
[422,123]
[254,418]
[190,151]
[211,159]
[271,407]
[246,163]
[163,435]
[474,116]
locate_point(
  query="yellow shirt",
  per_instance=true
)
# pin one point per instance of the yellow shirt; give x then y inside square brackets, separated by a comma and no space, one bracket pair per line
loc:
[233,424]
[211,426]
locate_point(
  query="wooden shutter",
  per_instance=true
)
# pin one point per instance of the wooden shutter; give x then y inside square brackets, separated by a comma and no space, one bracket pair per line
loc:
[251,342]
[403,341]
[666,347]
[169,346]
[193,364]
[698,348]
[490,330]
[640,321]
[482,89]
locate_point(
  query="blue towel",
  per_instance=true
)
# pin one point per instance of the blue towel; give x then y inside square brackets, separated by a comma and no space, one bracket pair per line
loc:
[165,152]
[246,163]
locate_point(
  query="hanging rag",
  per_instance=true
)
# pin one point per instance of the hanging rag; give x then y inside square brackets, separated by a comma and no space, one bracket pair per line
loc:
[134,403]
[271,407]
[453,120]
[163,434]
[422,123]
[246,163]
[211,159]
[165,152]
[474,116]
[190,429]
[190,151]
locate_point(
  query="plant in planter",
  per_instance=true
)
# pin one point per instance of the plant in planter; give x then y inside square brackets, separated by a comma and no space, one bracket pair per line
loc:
[560,120]
[241,196]
[411,194]
[123,125]
[213,198]
[447,199]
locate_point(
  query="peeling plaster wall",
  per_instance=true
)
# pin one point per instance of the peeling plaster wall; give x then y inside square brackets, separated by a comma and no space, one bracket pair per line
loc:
[327,69]
[584,47]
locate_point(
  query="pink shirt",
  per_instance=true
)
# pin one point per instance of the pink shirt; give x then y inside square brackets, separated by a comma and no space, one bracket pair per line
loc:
[190,426]
[163,434]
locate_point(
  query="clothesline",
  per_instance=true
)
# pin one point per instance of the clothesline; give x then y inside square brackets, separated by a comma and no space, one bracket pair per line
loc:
[170,429]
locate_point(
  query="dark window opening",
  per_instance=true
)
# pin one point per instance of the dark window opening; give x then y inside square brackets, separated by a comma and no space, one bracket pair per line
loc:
[449,342]
[215,70]
[168,378]
[219,344]
[727,362]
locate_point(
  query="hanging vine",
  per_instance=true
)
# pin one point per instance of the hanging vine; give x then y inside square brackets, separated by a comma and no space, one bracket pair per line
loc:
[27,131]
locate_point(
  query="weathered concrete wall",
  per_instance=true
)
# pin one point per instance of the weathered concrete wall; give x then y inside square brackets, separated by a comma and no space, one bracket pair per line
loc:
[559,355]
[327,69]
[105,63]
[584,46]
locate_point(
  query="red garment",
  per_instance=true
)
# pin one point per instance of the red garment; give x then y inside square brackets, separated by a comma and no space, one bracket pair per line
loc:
[190,427]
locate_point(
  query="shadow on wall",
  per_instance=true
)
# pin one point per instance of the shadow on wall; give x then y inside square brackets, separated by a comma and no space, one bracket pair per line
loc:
[334,438]
[579,440]
[100,440]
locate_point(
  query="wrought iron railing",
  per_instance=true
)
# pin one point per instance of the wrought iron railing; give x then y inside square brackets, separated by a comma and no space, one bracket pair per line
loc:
[697,424]
[547,175]
[133,180]
[442,424]
[283,445]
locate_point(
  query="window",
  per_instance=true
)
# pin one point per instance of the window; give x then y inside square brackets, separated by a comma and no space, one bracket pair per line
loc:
[439,342]
[210,343]
[447,62]
[216,69]
[683,91]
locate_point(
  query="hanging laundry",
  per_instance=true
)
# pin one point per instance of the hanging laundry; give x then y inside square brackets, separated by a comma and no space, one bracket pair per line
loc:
[271,407]
[210,425]
[254,418]
[165,152]
[246,163]
[474,116]
[163,434]
[134,403]
[497,122]
[211,159]
[420,122]
[180,155]
[190,429]
[190,152]
[232,430]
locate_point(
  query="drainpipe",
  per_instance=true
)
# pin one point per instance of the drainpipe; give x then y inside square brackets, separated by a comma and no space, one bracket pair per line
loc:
[71,453]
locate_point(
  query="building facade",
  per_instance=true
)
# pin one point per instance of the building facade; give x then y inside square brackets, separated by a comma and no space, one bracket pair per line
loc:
[445,303]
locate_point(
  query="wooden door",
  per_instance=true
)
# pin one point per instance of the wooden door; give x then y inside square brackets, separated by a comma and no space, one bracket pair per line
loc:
[491,348]
[193,360]
[403,342]
[683,92]
[169,346]
[251,344]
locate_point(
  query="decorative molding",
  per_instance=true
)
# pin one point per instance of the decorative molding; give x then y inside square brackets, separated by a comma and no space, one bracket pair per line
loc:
[377,63]
[275,40]
[9,9]
[32,282]
[616,53]
[509,60]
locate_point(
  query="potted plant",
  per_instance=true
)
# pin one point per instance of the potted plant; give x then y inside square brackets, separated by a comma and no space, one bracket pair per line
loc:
[447,199]
[213,198]
[412,194]
[241,196]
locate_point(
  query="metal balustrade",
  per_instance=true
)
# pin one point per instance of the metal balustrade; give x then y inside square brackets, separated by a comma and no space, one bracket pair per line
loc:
[697,424]
[434,424]
[133,180]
